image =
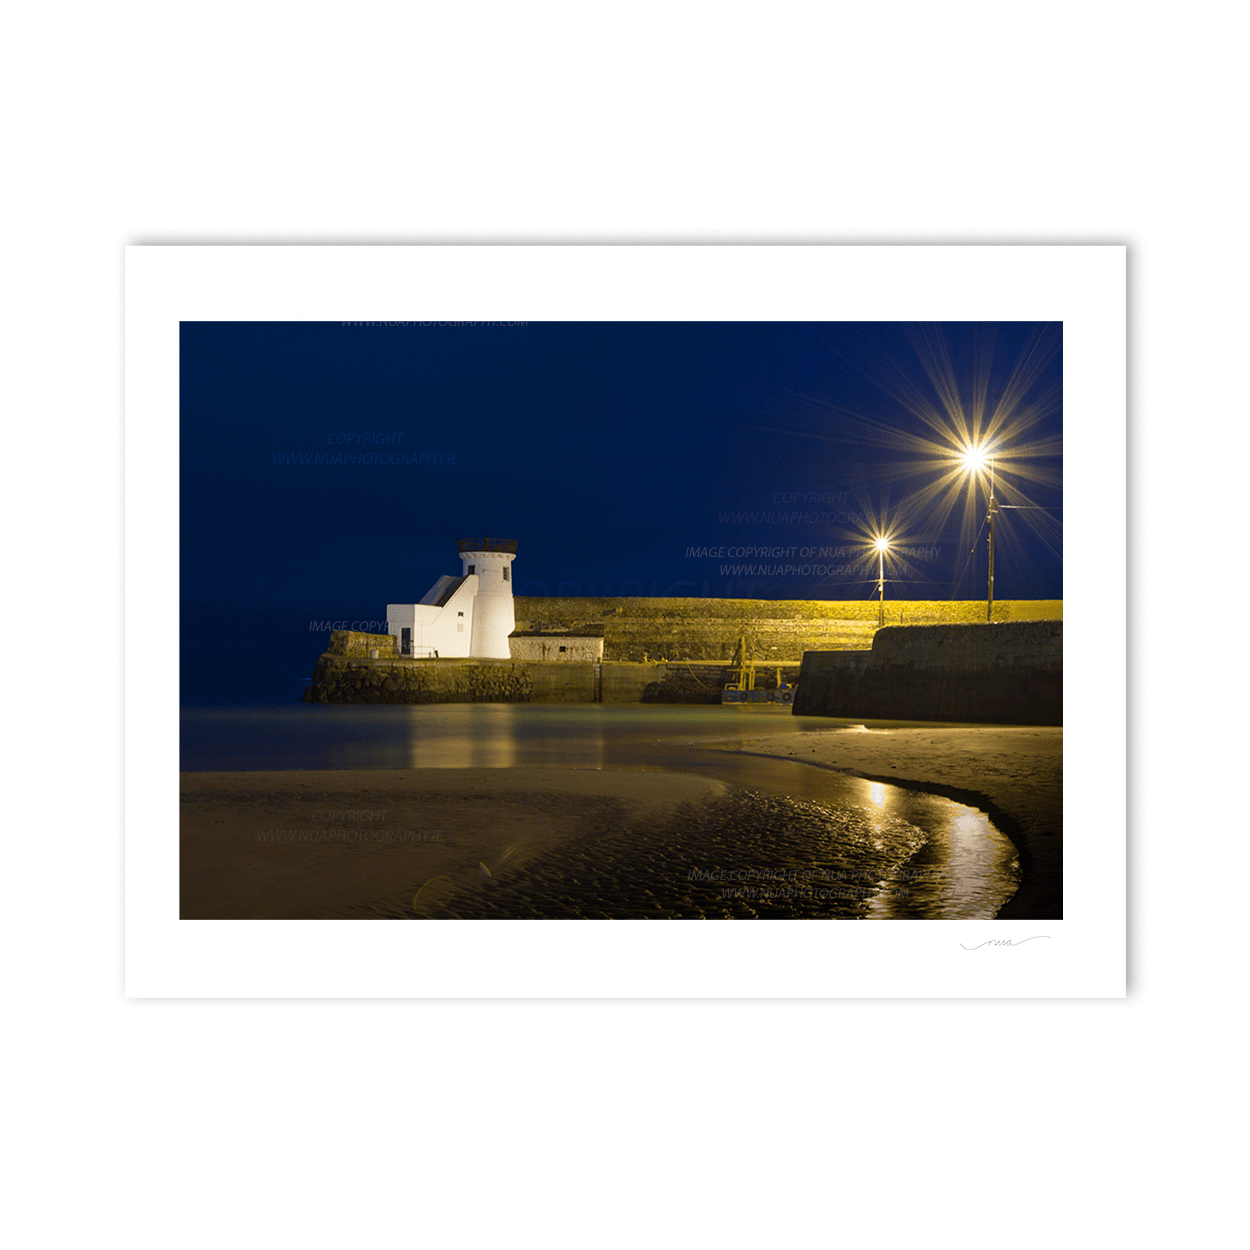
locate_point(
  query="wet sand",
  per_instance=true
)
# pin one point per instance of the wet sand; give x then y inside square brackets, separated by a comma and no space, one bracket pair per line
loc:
[287,845]
[1014,774]
[521,843]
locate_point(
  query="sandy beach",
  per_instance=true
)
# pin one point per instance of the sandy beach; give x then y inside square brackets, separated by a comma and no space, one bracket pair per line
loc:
[360,842]
[599,842]
[523,843]
[1014,774]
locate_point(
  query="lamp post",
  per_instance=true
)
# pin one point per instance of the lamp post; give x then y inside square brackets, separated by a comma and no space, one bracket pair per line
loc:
[993,508]
[882,545]
[975,459]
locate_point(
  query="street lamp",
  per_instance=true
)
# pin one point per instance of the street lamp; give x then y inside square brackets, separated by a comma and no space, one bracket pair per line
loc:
[975,459]
[882,545]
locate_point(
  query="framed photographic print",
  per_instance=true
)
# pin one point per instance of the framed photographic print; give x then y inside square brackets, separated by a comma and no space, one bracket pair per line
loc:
[516,590]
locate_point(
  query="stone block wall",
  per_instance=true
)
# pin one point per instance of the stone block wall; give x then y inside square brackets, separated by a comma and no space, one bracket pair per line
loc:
[352,642]
[351,679]
[344,679]
[1031,643]
[708,629]
[1008,674]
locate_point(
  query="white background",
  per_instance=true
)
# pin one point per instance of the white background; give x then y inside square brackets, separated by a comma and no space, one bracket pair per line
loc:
[1024,1123]
[1080,287]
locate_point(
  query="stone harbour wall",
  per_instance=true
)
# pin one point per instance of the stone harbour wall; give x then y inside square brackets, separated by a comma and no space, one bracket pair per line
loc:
[351,679]
[352,642]
[344,679]
[635,629]
[1005,674]
[1010,672]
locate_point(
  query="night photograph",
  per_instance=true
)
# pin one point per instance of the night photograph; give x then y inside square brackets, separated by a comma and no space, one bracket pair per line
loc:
[627,620]
[536,477]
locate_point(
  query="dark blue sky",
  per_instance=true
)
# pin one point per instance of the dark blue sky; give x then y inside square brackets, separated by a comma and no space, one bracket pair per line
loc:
[606,450]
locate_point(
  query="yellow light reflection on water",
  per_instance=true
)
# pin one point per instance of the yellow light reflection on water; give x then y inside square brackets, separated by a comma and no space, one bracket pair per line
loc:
[977,853]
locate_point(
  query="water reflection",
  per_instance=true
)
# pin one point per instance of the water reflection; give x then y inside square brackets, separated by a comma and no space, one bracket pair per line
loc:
[500,735]
[966,867]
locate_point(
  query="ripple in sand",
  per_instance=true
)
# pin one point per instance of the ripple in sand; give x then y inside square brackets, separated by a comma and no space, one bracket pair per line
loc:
[744,856]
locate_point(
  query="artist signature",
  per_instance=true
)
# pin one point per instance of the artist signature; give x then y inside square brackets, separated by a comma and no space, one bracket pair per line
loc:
[1004,942]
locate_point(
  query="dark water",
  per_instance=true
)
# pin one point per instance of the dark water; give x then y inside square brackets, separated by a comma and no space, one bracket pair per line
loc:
[802,841]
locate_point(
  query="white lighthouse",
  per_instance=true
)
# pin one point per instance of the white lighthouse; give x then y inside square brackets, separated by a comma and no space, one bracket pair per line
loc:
[469,615]
[490,561]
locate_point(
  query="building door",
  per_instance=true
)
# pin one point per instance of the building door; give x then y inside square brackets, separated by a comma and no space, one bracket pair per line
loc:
[405,641]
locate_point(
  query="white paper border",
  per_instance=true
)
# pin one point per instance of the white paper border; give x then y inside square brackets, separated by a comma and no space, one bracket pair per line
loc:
[1083,287]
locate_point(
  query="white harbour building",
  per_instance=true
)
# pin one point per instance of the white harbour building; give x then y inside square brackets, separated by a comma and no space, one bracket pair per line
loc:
[469,615]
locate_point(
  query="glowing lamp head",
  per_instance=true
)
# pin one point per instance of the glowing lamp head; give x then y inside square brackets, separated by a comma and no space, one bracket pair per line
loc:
[975,458]
[882,544]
